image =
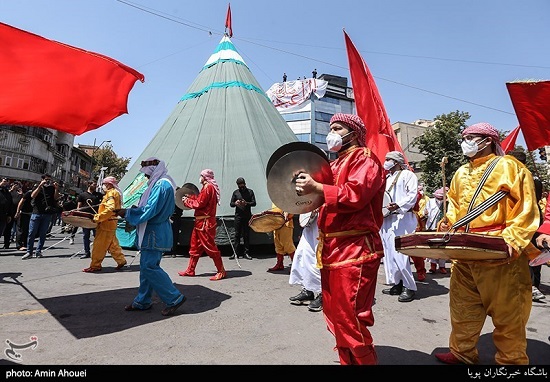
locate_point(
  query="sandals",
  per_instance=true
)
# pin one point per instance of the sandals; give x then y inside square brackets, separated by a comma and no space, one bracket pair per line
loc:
[218,276]
[187,273]
[91,270]
[169,311]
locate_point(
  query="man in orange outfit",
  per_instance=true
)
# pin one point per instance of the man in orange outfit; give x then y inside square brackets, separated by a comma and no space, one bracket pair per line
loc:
[204,231]
[105,237]
[350,247]
[283,240]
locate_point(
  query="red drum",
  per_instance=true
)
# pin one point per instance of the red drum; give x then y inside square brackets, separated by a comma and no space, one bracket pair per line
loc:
[267,221]
[78,219]
[452,246]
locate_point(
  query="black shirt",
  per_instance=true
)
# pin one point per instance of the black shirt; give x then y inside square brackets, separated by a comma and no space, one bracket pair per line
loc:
[248,196]
[87,198]
[45,199]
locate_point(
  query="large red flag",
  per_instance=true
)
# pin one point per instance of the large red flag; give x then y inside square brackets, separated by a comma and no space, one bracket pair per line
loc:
[531,100]
[50,84]
[380,137]
[228,21]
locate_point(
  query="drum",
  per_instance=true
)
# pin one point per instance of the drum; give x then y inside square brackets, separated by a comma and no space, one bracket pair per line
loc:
[452,246]
[78,219]
[387,200]
[267,221]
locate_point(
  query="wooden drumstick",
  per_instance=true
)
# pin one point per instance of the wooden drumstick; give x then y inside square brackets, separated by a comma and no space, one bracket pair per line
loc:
[444,161]
[89,203]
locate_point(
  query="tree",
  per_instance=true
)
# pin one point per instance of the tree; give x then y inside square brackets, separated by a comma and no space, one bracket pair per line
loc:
[106,157]
[441,140]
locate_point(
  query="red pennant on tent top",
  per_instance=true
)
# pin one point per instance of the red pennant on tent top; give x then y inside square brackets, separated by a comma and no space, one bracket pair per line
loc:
[380,138]
[531,100]
[228,21]
[50,84]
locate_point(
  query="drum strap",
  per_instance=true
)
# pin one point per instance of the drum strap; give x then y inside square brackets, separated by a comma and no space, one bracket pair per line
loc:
[322,236]
[474,212]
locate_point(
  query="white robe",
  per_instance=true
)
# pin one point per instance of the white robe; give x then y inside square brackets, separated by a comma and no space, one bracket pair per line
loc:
[397,266]
[304,271]
[433,208]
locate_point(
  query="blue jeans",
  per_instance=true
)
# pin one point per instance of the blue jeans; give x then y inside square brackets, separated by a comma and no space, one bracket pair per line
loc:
[38,226]
[153,278]
[86,232]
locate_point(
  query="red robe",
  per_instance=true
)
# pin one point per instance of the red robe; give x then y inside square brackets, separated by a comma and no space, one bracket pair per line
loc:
[350,251]
[204,229]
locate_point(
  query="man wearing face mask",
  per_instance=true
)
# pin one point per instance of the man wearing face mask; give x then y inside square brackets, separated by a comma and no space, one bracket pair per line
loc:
[44,198]
[154,237]
[500,289]
[242,200]
[350,248]
[203,236]
[105,236]
[402,186]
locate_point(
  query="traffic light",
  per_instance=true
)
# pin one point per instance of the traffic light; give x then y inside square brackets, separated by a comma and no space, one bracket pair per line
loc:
[542,153]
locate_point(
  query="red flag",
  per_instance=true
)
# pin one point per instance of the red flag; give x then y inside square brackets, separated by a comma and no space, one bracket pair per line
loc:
[531,100]
[509,143]
[50,84]
[228,21]
[380,138]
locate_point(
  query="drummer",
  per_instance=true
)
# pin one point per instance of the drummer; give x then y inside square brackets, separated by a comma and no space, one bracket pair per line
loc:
[105,238]
[350,248]
[500,289]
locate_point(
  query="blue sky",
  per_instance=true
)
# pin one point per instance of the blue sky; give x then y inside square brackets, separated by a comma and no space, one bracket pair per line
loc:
[428,57]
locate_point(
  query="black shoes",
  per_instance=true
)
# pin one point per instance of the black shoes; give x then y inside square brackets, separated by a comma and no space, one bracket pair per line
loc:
[232,257]
[406,295]
[394,290]
[169,311]
[302,297]
[317,304]
[247,256]
[85,256]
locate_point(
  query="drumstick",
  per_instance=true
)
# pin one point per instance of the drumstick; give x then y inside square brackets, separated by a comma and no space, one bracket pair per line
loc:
[88,201]
[443,163]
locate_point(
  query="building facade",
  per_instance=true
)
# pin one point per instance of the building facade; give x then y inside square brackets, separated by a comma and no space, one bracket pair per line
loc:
[26,153]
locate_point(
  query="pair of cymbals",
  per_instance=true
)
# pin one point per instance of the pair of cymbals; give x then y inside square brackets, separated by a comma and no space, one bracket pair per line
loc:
[186,189]
[283,169]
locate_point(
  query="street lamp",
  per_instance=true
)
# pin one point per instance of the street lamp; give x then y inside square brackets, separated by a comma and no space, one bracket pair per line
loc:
[93,155]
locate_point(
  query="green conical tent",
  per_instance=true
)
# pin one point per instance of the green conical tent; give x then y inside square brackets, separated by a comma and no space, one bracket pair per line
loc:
[225,122]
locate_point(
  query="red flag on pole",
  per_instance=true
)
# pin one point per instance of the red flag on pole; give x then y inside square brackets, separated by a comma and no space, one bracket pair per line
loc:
[50,84]
[509,143]
[228,21]
[531,100]
[380,137]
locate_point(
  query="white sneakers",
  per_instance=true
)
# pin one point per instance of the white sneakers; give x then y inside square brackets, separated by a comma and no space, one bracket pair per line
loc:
[537,294]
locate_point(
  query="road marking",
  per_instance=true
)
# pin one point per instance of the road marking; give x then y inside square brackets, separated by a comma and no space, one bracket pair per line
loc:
[24,313]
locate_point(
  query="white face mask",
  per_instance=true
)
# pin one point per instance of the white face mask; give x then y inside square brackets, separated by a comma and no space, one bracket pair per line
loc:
[388,165]
[470,147]
[104,188]
[335,141]
[200,179]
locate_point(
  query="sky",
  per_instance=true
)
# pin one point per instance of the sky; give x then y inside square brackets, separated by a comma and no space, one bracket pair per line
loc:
[428,57]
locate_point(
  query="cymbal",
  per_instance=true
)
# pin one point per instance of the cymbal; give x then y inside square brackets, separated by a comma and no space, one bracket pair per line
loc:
[290,147]
[281,180]
[186,189]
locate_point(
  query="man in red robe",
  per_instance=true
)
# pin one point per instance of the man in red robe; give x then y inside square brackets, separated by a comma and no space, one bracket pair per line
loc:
[350,247]
[204,231]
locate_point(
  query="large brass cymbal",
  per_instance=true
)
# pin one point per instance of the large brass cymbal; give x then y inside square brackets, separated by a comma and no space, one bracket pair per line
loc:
[290,147]
[186,189]
[281,180]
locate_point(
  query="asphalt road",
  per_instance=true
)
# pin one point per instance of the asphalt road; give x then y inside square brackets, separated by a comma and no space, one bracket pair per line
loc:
[54,314]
